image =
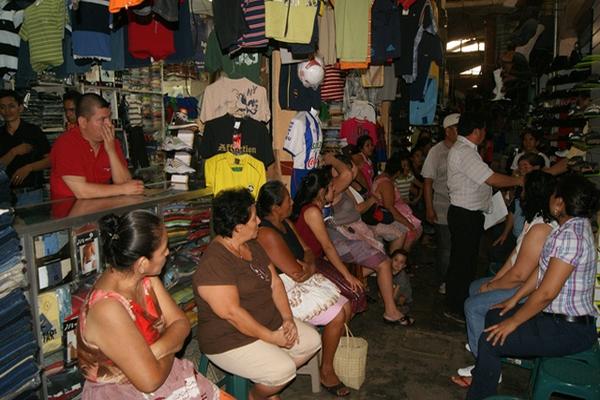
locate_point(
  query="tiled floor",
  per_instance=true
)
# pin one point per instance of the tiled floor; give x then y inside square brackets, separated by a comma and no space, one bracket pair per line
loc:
[409,363]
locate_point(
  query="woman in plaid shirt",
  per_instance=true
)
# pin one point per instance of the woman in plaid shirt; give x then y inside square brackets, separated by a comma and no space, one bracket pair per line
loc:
[558,317]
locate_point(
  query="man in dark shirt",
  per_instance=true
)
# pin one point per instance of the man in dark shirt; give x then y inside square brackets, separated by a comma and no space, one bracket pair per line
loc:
[24,150]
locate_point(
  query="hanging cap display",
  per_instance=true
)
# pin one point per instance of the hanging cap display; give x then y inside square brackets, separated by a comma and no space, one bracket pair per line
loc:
[311,73]
[451,119]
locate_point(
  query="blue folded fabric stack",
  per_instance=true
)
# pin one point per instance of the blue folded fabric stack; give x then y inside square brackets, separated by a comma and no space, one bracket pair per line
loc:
[19,372]
[5,192]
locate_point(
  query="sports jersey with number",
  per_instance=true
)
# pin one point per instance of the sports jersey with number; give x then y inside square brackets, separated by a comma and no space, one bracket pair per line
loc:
[228,171]
[303,141]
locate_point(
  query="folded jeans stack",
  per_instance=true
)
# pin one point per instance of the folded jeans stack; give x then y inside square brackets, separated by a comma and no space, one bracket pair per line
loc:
[18,345]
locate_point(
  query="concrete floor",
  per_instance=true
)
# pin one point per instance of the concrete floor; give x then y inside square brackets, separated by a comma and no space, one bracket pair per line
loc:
[409,363]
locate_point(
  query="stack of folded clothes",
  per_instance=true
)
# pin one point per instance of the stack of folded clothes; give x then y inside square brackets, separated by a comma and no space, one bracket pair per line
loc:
[188,229]
[19,372]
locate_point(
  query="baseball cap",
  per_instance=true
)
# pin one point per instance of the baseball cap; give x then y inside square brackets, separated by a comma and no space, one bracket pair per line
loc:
[451,119]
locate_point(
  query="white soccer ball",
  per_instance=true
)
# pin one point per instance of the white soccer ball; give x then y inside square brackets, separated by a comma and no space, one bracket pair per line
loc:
[311,73]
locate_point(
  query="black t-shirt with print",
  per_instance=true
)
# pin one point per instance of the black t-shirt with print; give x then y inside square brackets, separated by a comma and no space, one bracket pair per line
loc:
[255,138]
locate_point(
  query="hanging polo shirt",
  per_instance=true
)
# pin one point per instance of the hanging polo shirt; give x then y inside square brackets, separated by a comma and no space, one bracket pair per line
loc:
[10,23]
[228,171]
[303,141]
[33,135]
[43,28]
[254,137]
[72,155]
[91,30]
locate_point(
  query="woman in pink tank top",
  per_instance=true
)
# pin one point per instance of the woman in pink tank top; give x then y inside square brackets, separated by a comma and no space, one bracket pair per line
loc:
[129,326]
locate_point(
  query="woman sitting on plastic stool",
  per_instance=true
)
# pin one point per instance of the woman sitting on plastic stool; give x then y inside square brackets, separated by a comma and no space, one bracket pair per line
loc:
[559,317]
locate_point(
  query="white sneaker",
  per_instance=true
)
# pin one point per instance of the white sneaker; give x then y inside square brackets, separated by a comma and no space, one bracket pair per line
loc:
[466,372]
[175,166]
[468,347]
[442,288]
[173,143]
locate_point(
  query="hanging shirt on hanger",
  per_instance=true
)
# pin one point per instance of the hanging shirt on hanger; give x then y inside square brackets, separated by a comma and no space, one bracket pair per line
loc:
[254,15]
[409,24]
[327,36]
[303,141]
[352,29]
[153,39]
[10,23]
[385,31]
[332,88]
[228,171]
[230,24]
[423,112]
[290,21]
[354,128]
[255,139]
[242,65]
[91,30]
[429,50]
[238,97]
[43,27]
[182,36]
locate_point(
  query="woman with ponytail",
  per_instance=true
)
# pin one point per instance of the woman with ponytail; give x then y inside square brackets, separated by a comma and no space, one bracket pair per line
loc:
[129,326]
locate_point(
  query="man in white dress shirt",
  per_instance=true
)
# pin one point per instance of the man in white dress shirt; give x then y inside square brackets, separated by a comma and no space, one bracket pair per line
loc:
[470,182]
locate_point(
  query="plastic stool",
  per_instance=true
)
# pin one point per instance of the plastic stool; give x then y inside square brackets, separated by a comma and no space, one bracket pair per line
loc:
[591,356]
[235,385]
[566,376]
[312,368]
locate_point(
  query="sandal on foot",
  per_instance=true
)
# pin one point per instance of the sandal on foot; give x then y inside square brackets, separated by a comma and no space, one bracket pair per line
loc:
[462,381]
[406,320]
[339,390]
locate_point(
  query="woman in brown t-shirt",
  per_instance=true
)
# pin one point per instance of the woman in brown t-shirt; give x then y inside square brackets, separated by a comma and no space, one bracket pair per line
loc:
[245,325]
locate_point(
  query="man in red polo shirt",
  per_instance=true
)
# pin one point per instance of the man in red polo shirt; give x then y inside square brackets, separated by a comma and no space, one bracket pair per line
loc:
[87,161]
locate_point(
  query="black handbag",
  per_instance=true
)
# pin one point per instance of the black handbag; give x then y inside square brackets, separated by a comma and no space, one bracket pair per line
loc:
[377,214]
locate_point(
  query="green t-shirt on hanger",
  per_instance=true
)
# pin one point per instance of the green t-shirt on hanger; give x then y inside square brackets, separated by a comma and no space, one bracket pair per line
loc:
[242,65]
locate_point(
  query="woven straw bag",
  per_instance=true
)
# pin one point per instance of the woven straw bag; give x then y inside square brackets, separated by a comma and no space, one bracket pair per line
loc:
[350,360]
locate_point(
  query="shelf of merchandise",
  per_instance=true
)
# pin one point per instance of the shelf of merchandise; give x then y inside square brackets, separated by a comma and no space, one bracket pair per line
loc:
[37,220]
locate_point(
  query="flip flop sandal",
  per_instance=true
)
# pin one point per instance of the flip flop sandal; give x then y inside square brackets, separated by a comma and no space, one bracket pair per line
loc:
[462,381]
[337,390]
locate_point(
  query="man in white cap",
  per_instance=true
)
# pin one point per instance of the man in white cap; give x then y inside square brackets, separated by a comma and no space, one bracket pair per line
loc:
[437,198]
